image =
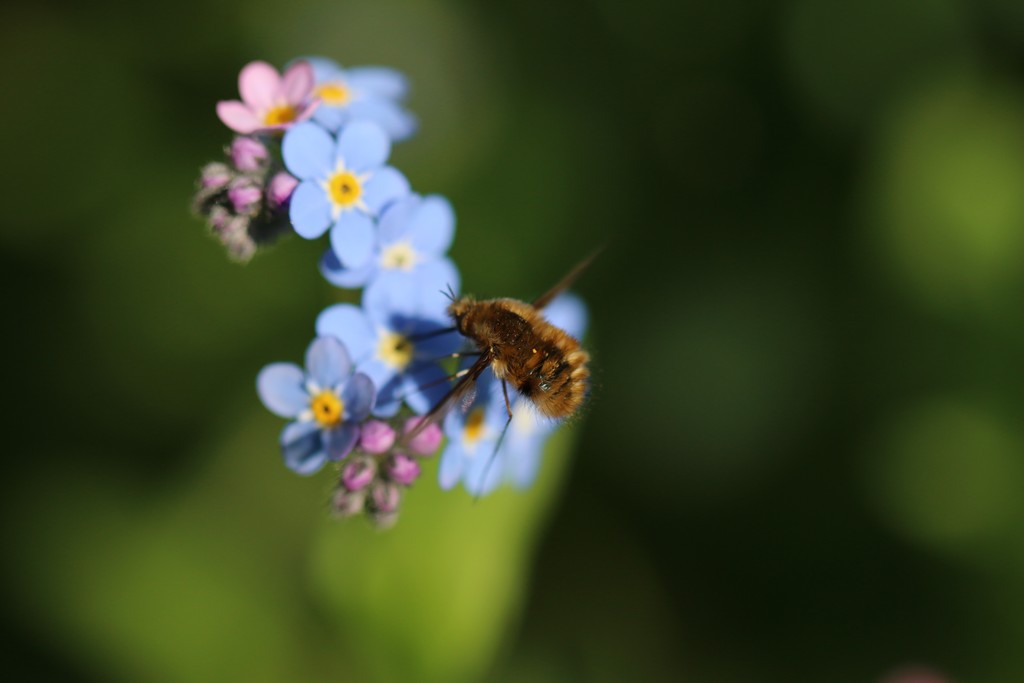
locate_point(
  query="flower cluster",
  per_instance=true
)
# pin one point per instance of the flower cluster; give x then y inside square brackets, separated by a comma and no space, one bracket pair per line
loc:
[311,158]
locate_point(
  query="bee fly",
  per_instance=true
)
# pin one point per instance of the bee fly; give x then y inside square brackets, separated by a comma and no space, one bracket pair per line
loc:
[542,362]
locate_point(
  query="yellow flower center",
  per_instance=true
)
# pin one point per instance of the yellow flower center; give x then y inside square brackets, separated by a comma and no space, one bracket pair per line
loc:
[474,428]
[334,93]
[400,256]
[395,350]
[275,116]
[344,188]
[328,408]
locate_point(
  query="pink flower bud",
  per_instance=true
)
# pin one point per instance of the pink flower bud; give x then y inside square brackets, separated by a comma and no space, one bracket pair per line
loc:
[214,176]
[385,497]
[427,441]
[402,469]
[358,473]
[280,189]
[244,196]
[345,503]
[376,437]
[248,154]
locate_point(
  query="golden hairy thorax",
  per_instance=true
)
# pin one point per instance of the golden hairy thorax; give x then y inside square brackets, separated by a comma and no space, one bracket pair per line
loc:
[543,362]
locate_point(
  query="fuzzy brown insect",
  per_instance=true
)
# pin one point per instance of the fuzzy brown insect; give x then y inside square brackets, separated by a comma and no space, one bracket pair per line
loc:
[542,362]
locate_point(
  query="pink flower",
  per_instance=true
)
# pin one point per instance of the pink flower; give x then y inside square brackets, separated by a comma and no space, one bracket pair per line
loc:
[280,189]
[270,102]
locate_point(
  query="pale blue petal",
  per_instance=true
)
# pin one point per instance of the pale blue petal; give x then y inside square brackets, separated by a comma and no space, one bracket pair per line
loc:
[433,226]
[353,239]
[363,146]
[396,219]
[331,118]
[281,387]
[398,123]
[485,471]
[340,441]
[385,186]
[524,456]
[308,151]
[450,469]
[309,210]
[302,447]
[340,276]
[388,384]
[390,304]
[379,81]
[324,69]
[568,312]
[424,388]
[328,362]
[358,394]
[349,324]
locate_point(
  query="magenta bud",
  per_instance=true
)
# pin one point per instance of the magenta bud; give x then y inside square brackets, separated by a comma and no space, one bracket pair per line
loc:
[384,497]
[427,441]
[214,176]
[248,154]
[402,469]
[280,189]
[245,197]
[358,473]
[376,437]
[345,503]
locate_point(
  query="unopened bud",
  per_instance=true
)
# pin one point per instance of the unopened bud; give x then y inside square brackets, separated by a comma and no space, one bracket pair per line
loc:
[427,441]
[345,503]
[384,497]
[402,469]
[280,189]
[248,154]
[376,437]
[358,473]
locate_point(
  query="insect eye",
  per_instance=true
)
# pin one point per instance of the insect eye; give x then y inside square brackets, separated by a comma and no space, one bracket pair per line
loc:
[544,386]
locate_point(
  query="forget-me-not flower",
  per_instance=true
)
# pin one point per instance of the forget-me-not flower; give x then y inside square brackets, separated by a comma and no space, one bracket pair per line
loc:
[365,93]
[344,185]
[391,338]
[326,402]
[413,236]
[270,101]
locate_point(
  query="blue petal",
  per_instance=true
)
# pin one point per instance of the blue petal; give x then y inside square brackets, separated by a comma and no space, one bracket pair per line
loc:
[523,469]
[281,387]
[379,81]
[353,238]
[308,151]
[384,186]
[452,461]
[349,324]
[302,447]
[331,118]
[340,441]
[328,362]
[424,387]
[398,123]
[358,394]
[310,212]
[340,276]
[324,69]
[568,312]
[485,471]
[363,146]
[433,226]
[396,218]
[391,304]
[388,383]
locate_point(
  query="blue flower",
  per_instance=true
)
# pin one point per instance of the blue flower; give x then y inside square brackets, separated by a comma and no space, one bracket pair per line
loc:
[367,93]
[390,340]
[326,401]
[344,187]
[413,236]
[473,434]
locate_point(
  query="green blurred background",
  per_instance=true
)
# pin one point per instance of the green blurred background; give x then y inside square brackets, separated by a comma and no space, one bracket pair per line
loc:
[804,455]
